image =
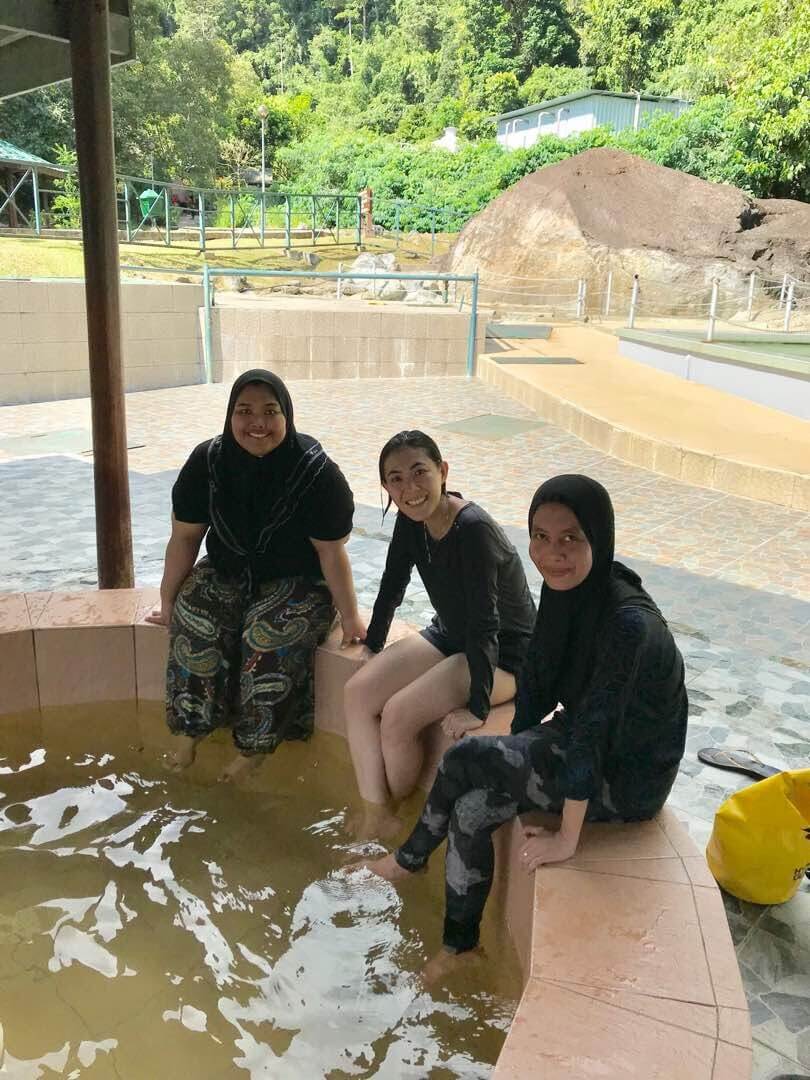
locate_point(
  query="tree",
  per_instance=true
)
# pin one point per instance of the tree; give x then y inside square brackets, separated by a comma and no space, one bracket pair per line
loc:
[547,82]
[622,42]
[40,121]
[172,102]
[236,155]
[66,207]
[542,33]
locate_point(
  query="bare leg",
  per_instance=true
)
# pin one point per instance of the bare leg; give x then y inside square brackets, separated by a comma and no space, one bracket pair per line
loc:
[366,694]
[425,700]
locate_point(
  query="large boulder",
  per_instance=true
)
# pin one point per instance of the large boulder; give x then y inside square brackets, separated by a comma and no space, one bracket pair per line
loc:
[606,210]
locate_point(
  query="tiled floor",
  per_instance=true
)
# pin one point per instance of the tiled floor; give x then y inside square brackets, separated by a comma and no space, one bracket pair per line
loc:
[732,576]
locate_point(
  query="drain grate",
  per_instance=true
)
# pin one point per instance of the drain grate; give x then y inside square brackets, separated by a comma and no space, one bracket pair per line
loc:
[508,358]
[68,441]
[492,426]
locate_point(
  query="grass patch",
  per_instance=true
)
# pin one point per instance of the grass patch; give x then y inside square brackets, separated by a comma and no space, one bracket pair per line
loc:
[29,257]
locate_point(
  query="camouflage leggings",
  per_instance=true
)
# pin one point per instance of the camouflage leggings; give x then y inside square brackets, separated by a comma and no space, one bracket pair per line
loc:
[482,783]
[245,661]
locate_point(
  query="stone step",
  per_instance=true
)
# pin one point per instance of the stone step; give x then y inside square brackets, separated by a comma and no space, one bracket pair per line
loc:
[518,330]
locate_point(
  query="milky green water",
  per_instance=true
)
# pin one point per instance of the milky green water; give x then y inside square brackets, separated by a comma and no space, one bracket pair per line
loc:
[159,927]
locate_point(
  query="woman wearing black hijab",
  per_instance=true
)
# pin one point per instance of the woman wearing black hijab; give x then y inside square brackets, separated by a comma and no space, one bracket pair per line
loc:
[601,660]
[245,621]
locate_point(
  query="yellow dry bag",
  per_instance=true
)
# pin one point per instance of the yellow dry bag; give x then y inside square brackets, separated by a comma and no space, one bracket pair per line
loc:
[759,849]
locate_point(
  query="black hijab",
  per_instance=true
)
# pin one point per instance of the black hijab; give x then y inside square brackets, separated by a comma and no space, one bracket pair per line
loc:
[251,497]
[563,647]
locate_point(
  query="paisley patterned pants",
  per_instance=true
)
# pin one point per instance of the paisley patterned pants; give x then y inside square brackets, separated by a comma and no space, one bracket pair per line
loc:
[482,783]
[245,661]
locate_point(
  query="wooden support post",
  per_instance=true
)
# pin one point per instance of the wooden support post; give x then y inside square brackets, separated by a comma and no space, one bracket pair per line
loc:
[90,59]
[12,206]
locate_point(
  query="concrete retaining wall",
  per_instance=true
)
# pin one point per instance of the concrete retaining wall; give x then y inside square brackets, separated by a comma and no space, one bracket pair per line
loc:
[785,391]
[338,339]
[43,338]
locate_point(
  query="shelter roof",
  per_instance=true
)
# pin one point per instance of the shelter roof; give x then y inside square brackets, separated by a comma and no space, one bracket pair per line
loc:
[553,103]
[35,42]
[13,156]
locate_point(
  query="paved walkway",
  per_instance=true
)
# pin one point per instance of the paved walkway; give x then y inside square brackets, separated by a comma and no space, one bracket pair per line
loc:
[732,576]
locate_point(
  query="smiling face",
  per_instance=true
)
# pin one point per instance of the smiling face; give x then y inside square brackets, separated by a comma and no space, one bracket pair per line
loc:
[559,548]
[257,422]
[414,482]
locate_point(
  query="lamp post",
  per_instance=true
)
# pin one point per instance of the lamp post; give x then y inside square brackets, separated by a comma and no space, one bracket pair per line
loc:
[261,112]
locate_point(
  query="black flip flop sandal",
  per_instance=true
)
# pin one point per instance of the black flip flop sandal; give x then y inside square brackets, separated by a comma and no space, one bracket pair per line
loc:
[737,761]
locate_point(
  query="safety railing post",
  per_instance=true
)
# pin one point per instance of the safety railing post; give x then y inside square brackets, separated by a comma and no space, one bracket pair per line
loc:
[396,221]
[232,203]
[713,310]
[337,220]
[789,304]
[608,291]
[631,318]
[471,341]
[127,214]
[752,282]
[208,336]
[314,213]
[287,221]
[359,237]
[581,298]
[261,220]
[783,290]
[167,216]
[201,214]
[339,282]
[37,214]
[432,233]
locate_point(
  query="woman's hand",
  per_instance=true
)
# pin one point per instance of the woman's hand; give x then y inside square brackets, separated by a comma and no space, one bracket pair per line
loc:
[544,846]
[354,630]
[459,721]
[160,615]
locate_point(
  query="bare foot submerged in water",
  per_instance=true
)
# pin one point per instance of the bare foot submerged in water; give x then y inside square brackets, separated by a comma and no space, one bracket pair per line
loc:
[387,867]
[446,963]
[241,765]
[374,822]
[183,754]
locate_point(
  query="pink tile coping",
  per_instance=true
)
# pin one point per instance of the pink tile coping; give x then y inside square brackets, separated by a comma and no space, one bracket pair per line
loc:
[628,964]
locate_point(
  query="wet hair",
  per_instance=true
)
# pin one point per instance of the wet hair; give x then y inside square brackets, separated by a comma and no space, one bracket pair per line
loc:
[408,440]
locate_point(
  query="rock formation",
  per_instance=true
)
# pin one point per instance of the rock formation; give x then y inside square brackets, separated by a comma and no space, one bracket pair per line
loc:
[605,210]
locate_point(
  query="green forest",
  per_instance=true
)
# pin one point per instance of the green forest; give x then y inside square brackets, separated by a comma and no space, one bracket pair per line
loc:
[356,90]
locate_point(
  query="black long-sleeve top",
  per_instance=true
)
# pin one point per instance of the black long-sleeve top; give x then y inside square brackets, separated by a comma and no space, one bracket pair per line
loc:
[476,583]
[626,735]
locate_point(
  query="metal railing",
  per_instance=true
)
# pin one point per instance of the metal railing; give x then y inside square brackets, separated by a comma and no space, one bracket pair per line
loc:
[338,276]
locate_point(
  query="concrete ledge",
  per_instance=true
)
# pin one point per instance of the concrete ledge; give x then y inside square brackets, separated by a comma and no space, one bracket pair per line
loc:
[628,965]
[681,462]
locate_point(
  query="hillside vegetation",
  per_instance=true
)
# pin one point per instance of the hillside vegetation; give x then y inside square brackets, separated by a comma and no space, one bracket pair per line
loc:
[357,89]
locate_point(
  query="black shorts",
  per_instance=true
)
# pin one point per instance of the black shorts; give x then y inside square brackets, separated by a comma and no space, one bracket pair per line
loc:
[511,650]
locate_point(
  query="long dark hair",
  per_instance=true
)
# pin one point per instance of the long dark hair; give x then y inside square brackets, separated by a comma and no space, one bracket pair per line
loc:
[411,440]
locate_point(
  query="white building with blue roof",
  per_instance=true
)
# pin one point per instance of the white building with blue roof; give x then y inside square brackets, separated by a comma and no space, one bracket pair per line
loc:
[575,113]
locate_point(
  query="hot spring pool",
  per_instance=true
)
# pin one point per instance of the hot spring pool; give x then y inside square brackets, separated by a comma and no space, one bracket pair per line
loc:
[158,926]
